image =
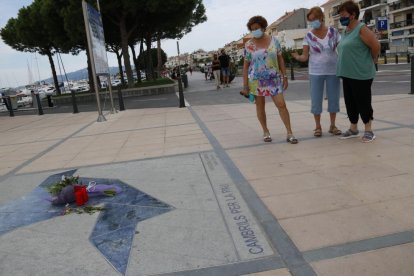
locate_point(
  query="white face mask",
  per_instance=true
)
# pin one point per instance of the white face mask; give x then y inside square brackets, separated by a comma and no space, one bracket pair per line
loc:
[257,33]
[315,24]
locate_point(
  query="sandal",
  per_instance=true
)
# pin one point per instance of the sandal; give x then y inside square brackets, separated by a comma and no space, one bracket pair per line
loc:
[266,137]
[291,139]
[349,134]
[334,130]
[317,132]
[368,137]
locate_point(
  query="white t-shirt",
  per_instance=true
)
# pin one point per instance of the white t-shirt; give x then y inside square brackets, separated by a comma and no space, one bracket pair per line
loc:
[322,52]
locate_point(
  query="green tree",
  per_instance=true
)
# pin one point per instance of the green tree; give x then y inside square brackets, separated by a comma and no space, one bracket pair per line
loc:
[113,44]
[179,17]
[125,15]
[73,22]
[142,58]
[31,32]
[287,56]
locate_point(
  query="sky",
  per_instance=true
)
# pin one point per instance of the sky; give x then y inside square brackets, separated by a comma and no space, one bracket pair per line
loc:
[226,22]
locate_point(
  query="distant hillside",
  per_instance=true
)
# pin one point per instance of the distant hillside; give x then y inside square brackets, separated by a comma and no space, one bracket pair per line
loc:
[80,75]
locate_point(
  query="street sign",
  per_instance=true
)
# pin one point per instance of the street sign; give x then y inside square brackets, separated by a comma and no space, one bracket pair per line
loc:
[382,23]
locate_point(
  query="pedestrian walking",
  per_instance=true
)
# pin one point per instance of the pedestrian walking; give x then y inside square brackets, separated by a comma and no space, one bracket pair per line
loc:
[319,46]
[225,67]
[264,75]
[357,55]
[205,70]
[216,70]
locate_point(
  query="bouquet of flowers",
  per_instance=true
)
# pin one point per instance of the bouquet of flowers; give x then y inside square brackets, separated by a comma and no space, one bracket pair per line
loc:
[102,189]
[69,190]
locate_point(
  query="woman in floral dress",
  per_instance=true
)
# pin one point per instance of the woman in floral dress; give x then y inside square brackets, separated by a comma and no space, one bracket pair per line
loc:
[264,74]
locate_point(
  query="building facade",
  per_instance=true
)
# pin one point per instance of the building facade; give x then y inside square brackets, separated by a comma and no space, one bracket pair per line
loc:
[401,25]
[390,20]
[290,29]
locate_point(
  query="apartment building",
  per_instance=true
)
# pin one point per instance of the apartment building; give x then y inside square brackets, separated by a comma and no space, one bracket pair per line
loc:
[290,29]
[182,59]
[390,20]
[401,25]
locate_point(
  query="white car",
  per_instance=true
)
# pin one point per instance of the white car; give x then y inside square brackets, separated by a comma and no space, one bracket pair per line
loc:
[79,86]
[116,82]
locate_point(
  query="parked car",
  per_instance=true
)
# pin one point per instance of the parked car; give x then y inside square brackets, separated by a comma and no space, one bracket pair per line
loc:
[79,86]
[116,82]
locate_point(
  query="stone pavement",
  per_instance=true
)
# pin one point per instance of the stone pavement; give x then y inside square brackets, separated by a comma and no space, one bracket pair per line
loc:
[233,205]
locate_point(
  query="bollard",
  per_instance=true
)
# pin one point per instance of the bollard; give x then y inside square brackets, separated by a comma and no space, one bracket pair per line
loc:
[180,92]
[292,74]
[396,59]
[6,102]
[408,58]
[39,104]
[412,75]
[9,105]
[385,59]
[185,80]
[120,100]
[74,105]
[49,101]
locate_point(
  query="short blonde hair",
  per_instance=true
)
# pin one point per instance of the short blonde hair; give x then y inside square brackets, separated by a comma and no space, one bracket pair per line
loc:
[317,12]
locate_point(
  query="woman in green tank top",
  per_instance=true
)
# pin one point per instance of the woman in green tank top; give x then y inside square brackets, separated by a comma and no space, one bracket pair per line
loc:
[357,54]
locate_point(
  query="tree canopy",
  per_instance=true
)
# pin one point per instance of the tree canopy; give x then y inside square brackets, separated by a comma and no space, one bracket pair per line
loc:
[143,57]
[50,26]
[35,30]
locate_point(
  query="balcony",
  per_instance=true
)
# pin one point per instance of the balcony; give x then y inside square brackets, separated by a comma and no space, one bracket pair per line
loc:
[401,24]
[368,4]
[402,5]
[335,12]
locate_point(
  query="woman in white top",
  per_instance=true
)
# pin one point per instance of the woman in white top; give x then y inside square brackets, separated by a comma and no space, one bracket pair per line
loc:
[320,44]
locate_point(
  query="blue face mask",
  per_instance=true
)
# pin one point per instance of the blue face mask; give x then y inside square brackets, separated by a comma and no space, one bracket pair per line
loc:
[257,33]
[315,24]
[344,21]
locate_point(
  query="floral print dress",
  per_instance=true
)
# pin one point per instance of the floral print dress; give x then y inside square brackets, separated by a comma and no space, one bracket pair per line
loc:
[264,74]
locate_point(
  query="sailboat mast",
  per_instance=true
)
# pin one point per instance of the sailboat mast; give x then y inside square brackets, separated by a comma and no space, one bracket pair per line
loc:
[29,73]
[38,71]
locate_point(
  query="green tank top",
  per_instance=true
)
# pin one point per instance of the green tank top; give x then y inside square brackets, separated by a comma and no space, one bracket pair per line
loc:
[354,57]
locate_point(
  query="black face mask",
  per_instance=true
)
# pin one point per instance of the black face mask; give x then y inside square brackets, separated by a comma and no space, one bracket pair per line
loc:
[344,21]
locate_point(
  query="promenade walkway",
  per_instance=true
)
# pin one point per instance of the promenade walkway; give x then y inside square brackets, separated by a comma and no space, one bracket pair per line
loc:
[218,201]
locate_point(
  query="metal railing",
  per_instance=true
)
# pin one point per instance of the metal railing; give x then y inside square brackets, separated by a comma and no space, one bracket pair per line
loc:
[401,24]
[401,5]
[367,3]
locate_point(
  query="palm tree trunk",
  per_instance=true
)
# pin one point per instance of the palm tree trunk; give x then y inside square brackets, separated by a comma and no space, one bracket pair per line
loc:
[52,65]
[125,53]
[159,59]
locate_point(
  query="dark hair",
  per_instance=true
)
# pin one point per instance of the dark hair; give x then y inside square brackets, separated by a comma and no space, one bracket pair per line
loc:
[257,19]
[350,7]
[317,12]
